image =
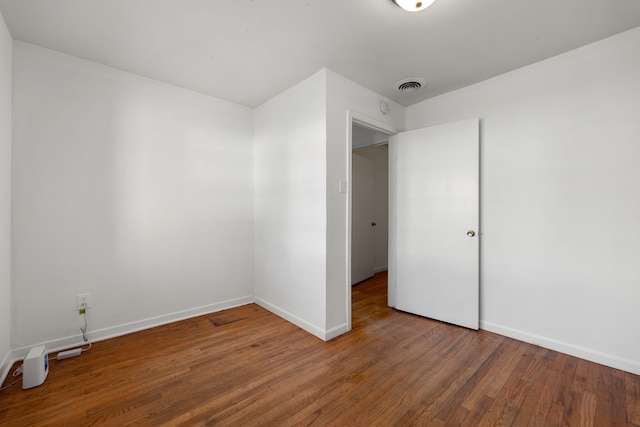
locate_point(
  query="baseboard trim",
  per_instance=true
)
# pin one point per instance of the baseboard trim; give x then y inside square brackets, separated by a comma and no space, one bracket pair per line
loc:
[5,367]
[563,347]
[337,331]
[292,318]
[380,269]
[60,344]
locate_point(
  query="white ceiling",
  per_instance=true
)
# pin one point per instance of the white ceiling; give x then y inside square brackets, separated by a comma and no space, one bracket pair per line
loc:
[247,51]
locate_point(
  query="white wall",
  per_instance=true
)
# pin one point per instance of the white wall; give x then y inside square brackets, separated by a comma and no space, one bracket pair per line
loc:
[290,204]
[302,152]
[560,203]
[135,191]
[379,157]
[344,97]
[6,43]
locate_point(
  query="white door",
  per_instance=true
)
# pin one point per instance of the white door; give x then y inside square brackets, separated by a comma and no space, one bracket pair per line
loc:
[362,208]
[437,218]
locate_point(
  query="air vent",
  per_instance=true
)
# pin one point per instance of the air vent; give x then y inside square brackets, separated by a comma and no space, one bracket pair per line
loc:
[411,85]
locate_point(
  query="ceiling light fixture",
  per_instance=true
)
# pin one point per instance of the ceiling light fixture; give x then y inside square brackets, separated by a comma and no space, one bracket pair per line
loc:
[413,5]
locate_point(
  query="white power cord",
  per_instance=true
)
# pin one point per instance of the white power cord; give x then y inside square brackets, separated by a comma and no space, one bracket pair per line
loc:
[86,325]
[84,333]
[16,372]
[78,350]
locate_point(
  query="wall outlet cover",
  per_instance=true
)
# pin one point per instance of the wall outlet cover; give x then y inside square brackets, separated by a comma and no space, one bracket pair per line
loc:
[83,301]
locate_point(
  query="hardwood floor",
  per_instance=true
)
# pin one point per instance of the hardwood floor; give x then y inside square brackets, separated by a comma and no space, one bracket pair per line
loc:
[246,366]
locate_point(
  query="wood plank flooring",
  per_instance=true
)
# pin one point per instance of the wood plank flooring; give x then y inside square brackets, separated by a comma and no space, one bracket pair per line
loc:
[248,367]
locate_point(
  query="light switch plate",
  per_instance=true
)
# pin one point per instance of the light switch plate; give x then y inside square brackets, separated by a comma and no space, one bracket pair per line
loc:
[344,186]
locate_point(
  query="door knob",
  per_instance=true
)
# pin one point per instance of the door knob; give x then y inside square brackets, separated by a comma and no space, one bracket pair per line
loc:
[373,224]
[471,233]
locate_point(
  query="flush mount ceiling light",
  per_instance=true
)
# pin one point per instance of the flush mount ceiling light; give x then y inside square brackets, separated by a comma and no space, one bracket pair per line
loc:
[413,5]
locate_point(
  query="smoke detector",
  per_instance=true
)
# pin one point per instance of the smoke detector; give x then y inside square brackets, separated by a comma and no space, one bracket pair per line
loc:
[410,85]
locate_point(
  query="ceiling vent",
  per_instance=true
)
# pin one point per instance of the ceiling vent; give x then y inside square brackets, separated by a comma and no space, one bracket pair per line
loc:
[411,85]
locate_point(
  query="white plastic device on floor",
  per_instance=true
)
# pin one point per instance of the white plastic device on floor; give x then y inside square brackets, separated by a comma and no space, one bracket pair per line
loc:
[35,367]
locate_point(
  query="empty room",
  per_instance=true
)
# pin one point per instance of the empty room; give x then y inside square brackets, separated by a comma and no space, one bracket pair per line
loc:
[319,212]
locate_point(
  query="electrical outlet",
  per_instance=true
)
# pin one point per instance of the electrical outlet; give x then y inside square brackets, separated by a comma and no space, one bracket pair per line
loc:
[83,301]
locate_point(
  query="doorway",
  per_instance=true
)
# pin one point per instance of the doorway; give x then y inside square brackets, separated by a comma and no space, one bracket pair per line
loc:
[369,203]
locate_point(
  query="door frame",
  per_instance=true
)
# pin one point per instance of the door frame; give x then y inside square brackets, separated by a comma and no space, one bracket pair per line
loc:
[354,117]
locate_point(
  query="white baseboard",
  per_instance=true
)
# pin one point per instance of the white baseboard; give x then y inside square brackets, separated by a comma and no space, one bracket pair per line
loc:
[563,347]
[5,367]
[292,318]
[380,269]
[337,331]
[60,344]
